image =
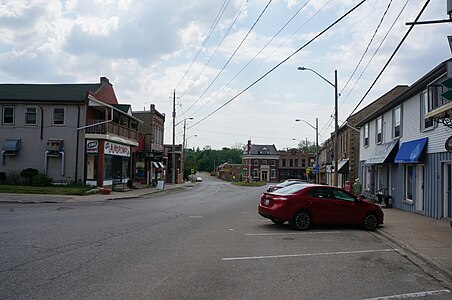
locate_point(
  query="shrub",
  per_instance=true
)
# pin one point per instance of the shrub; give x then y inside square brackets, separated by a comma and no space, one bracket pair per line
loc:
[29,174]
[2,177]
[41,180]
[13,177]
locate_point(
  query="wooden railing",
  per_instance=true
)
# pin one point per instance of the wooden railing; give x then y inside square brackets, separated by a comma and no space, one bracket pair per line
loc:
[111,128]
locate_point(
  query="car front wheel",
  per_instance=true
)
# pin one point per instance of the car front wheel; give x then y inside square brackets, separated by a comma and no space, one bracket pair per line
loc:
[370,222]
[301,220]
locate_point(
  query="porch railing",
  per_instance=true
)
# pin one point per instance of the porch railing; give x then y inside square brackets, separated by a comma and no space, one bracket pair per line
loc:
[111,128]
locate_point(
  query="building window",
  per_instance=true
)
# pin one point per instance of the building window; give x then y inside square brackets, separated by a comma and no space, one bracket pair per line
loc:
[30,115]
[264,162]
[379,131]
[296,162]
[427,105]
[273,162]
[303,163]
[409,182]
[366,135]
[397,122]
[58,116]
[8,115]
[256,162]
[256,173]
[291,162]
[283,162]
[273,173]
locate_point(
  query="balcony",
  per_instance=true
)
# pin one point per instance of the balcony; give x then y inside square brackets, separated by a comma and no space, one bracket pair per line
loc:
[111,129]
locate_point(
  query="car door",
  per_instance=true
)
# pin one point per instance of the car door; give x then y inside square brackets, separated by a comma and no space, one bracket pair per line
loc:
[321,204]
[347,211]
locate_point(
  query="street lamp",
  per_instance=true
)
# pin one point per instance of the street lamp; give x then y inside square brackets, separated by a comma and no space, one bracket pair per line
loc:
[336,126]
[316,128]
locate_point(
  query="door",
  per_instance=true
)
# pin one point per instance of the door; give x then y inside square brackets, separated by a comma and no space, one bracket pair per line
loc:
[447,191]
[420,188]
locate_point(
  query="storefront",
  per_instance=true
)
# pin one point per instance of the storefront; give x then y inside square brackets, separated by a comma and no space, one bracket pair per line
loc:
[107,163]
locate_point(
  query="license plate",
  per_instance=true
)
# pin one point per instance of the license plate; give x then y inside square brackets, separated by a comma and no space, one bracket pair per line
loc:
[267,201]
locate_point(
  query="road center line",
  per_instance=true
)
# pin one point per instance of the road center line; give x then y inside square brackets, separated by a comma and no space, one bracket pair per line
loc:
[412,295]
[291,233]
[306,254]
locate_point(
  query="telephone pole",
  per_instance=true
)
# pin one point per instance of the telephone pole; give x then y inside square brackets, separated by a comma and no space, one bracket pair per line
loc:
[173,160]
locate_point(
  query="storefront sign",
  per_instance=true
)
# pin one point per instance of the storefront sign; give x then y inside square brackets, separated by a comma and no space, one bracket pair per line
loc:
[448,144]
[116,149]
[92,146]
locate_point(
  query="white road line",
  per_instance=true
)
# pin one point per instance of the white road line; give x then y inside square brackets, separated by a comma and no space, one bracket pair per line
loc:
[412,295]
[291,233]
[195,217]
[306,254]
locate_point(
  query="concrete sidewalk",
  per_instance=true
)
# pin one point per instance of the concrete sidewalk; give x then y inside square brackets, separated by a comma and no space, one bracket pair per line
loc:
[429,241]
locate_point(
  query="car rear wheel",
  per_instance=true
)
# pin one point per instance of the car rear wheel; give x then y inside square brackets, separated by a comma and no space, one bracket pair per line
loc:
[370,222]
[276,221]
[301,220]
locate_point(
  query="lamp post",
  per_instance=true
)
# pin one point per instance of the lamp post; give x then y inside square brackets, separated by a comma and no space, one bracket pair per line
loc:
[183,148]
[336,126]
[316,128]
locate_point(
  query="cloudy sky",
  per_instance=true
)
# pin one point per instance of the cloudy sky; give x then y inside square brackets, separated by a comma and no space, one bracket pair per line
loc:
[232,63]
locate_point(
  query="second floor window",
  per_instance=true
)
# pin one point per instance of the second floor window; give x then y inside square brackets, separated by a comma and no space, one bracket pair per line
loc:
[427,105]
[58,116]
[283,162]
[273,162]
[296,162]
[30,115]
[8,115]
[264,162]
[256,162]
[379,137]
[366,135]
[397,121]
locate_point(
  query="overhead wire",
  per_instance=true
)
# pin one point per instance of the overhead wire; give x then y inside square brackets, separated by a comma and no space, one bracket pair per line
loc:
[391,57]
[282,62]
[212,27]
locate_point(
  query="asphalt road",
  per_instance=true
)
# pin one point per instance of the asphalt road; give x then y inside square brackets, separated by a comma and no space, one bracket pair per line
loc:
[205,242]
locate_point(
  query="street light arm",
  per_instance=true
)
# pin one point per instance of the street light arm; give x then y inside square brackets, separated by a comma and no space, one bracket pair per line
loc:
[312,126]
[303,69]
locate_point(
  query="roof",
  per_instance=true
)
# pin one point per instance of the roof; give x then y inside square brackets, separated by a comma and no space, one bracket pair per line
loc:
[262,150]
[47,92]
[415,88]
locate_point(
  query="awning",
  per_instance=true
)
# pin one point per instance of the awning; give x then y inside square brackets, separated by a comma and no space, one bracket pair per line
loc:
[410,151]
[381,153]
[343,166]
[11,145]
[161,165]
[156,165]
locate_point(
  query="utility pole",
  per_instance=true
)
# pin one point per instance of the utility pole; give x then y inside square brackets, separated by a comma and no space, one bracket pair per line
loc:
[336,132]
[173,171]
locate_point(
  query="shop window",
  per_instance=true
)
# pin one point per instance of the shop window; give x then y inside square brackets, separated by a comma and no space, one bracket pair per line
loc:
[108,167]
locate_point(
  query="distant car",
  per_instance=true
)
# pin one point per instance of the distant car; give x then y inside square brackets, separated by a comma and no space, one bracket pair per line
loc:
[305,204]
[198,179]
[272,188]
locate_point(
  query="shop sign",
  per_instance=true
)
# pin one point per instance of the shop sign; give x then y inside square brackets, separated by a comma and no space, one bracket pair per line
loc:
[448,144]
[116,149]
[92,146]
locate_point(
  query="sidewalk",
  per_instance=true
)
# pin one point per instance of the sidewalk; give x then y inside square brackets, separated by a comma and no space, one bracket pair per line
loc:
[114,195]
[428,241]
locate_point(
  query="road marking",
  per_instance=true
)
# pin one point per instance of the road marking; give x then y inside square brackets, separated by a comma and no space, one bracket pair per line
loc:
[291,233]
[195,217]
[412,295]
[306,254]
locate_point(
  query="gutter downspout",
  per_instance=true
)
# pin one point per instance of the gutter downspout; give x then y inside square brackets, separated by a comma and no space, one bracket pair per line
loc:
[77,145]
[45,162]
[62,162]
[3,154]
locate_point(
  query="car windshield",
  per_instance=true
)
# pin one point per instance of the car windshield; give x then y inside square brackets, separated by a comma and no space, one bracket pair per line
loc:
[291,189]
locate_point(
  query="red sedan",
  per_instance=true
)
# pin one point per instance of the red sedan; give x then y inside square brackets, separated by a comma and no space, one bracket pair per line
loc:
[305,204]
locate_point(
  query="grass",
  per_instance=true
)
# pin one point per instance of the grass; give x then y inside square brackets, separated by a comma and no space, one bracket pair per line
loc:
[49,190]
[255,183]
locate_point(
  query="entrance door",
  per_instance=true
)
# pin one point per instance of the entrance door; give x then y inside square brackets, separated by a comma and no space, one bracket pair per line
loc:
[447,191]
[265,176]
[420,188]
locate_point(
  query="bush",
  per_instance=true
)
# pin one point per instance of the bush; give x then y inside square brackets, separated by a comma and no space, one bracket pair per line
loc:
[13,177]
[41,180]
[2,177]
[29,174]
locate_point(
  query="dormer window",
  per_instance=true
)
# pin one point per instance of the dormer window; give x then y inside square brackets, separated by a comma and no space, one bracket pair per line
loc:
[264,150]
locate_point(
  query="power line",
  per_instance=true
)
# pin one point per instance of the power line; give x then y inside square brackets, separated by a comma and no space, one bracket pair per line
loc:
[392,56]
[279,64]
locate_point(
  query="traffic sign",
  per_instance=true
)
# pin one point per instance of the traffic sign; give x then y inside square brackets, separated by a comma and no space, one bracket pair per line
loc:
[447,95]
[447,83]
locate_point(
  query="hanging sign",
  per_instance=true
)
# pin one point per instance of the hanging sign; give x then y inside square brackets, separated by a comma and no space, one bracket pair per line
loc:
[448,144]
[92,146]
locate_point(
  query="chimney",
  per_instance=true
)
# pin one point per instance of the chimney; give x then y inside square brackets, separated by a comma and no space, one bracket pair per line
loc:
[104,80]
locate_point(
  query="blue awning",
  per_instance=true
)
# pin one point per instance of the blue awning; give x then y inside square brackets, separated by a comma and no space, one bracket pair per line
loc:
[410,151]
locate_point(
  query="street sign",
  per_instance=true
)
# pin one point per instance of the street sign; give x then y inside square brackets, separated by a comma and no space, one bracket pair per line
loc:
[447,83]
[447,95]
